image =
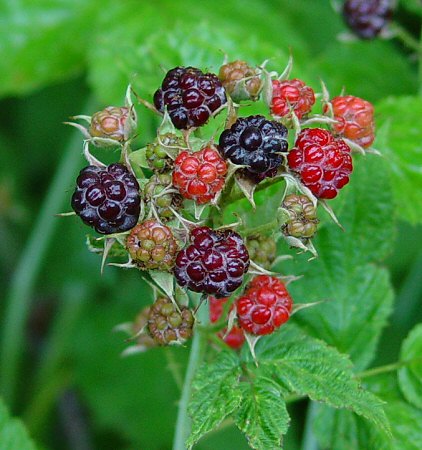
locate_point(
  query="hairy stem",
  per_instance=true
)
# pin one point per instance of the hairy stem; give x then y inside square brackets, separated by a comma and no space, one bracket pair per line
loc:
[18,299]
[183,424]
[405,37]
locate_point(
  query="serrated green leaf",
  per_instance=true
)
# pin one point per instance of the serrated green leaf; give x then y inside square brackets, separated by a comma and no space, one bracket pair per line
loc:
[343,430]
[399,138]
[307,366]
[262,415]
[410,376]
[13,434]
[215,394]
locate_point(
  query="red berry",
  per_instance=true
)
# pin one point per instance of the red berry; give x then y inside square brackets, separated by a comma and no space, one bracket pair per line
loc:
[355,118]
[190,96]
[236,337]
[110,123]
[264,306]
[291,95]
[214,263]
[199,176]
[322,162]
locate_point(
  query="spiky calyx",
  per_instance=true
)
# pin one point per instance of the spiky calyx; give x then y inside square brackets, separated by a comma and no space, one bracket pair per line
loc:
[158,195]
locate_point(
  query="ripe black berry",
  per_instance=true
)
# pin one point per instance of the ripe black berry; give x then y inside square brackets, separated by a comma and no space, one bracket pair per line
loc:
[367,18]
[254,142]
[214,263]
[107,199]
[190,96]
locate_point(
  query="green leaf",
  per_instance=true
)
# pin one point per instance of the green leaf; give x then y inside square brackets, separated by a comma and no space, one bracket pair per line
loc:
[262,414]
[42,42]
[343,67]
[343,430]
[307,366]
[215,394]
[414,6]
[13,434]
[359,295]
[399,139]
[410,376]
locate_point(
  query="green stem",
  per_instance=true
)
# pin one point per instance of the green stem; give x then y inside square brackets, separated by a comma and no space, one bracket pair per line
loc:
[387,368]
[183,424]
[238,195]
[309,441]
[405,37]
[18,299]
[174,368]
[420,67]
[51,365]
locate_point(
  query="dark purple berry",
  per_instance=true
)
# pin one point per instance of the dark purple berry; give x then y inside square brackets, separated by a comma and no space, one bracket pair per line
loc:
[190,96]
[367,18]
[255,142]
[214,262]
[107,199]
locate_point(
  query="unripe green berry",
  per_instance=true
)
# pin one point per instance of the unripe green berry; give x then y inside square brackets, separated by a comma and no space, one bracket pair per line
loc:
[303,222]
[168,324]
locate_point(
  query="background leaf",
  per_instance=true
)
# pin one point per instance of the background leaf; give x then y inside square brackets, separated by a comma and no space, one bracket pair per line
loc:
[399,138]
[13,435]
[343,430]
[410,376]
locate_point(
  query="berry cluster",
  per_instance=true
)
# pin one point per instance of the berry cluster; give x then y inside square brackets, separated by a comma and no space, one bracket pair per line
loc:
[165,206]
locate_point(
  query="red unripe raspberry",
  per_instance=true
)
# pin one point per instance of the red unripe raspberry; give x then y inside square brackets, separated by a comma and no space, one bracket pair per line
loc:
[264,306]
[355,118]
[291,95]
[236,337]
[322,162]
[199,176]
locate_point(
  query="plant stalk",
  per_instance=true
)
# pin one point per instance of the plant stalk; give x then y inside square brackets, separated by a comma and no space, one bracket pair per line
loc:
[183,424]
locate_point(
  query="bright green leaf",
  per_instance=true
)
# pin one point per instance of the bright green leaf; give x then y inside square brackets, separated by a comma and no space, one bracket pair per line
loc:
[262,415]
[216,394]
[399,139]
[307,366]
[42,41]
[13,434]
[410,376]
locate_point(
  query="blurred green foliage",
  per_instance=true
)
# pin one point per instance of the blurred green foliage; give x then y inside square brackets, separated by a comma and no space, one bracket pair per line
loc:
[57,57]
